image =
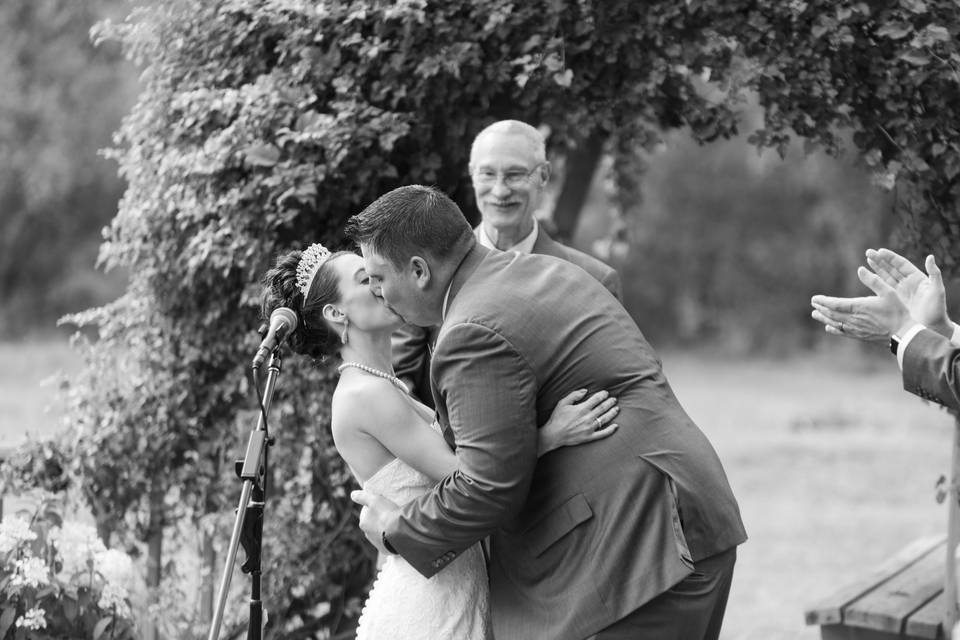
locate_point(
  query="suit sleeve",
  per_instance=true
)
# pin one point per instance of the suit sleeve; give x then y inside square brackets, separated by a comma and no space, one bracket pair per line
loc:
[489,393]
[931,369]
[612,282]
[411,354]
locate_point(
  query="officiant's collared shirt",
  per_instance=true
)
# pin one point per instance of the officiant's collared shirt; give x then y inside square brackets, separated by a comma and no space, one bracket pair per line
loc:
[524,246]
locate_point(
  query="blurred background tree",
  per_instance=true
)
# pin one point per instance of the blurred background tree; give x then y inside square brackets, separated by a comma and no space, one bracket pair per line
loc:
[261,126]
[61,98]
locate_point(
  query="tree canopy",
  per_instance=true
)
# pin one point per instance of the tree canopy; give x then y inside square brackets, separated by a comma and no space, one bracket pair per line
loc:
[887,74]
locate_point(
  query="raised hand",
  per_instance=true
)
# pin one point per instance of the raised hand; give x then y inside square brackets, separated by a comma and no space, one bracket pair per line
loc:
[872,318]
[573,422]
[923,294]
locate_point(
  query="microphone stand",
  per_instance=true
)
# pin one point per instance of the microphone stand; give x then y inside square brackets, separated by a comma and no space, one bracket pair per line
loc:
[248,526]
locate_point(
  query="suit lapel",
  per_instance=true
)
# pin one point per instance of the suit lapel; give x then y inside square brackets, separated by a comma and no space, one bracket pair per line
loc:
[547,246]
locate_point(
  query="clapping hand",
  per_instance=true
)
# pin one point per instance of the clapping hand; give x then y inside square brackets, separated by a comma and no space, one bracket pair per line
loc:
[871,318]
[923,294]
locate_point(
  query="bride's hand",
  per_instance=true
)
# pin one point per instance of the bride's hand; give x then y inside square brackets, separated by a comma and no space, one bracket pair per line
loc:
[576,420]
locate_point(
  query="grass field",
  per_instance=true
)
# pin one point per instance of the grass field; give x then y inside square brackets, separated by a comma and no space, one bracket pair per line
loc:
[833,463]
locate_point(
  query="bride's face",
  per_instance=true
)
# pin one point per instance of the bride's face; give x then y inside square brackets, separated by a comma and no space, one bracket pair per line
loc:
[364,310]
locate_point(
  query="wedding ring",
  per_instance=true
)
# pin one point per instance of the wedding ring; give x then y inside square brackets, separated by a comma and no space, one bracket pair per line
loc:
[599,424]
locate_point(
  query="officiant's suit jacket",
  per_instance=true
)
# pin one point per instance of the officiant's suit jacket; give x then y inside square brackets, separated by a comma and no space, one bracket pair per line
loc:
[588,533]
[931,369]
[411,345]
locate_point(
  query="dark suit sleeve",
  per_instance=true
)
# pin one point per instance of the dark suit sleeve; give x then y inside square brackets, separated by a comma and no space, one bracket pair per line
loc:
[411,355]
[931,369]
[611,280]
[489,393]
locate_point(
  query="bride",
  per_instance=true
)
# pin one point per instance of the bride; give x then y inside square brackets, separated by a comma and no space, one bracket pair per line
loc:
[391,443]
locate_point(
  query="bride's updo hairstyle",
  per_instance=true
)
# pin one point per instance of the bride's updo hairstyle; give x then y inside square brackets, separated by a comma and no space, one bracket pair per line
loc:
[313,336]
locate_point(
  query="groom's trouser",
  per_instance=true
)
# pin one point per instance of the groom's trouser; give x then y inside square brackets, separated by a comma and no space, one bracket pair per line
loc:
[690,610]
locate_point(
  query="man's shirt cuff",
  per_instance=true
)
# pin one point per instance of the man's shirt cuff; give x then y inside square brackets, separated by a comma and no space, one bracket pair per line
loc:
[955,338]
[905,340]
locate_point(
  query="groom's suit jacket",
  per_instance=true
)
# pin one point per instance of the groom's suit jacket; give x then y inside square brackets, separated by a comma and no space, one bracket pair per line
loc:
[411,345]
[588,533]
[931,369]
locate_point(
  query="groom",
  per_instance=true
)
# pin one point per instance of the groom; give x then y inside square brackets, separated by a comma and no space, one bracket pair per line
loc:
[632,536]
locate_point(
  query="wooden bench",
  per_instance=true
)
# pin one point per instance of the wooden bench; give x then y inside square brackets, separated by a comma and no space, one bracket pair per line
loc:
[902,598]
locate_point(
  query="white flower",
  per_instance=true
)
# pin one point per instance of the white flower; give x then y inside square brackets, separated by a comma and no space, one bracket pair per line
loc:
[77,545]
[13,531]
[886,180]
[33,619]
[114,598]
[115,566]
[30,571]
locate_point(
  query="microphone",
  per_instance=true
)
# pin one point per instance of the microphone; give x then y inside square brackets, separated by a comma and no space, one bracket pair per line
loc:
[283,321]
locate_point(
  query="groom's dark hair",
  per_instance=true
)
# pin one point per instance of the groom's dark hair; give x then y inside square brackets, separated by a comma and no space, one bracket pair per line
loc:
[409,221]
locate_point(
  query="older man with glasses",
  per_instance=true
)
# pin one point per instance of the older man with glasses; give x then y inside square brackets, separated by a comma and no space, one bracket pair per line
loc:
[510,171]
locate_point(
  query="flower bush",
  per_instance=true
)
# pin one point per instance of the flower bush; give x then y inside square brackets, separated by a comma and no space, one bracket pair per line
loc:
[58,580]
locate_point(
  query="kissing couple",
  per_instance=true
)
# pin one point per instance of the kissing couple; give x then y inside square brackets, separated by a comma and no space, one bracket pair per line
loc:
[517,510]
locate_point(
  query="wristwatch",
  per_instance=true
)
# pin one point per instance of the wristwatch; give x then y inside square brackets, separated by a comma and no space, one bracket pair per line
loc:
[386,543]
[894,343]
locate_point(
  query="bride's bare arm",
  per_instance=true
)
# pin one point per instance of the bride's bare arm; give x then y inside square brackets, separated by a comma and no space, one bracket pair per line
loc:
[384,415]
[379,412]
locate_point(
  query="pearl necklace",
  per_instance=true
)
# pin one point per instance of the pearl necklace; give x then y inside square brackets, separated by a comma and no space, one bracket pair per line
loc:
[397,382]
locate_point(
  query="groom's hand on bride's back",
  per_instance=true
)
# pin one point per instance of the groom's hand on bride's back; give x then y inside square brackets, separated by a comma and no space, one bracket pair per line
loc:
[374,515]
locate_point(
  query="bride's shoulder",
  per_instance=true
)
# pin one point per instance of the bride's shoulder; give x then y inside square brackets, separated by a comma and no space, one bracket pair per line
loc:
[364,403]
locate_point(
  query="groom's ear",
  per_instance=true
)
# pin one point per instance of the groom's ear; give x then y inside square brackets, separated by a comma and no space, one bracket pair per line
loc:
[420,269]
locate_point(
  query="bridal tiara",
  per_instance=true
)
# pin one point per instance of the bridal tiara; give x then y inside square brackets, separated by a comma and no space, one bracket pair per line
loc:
[311,260]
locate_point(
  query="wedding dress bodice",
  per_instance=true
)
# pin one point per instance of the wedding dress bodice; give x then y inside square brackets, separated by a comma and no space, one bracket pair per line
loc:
[398,482]
[404,605]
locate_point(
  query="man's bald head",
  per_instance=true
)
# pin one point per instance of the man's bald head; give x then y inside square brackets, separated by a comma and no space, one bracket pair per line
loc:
[513,128]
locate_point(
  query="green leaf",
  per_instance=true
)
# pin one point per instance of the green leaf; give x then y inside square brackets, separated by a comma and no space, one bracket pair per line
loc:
[895,30]
[70,608]
[917,58]
[937,33]
[930,36]
[916,6]
[262,155]
[7,618]
[101,627]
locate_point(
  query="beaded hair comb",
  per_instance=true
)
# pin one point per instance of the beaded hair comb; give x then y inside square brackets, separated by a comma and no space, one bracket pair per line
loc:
[311,260]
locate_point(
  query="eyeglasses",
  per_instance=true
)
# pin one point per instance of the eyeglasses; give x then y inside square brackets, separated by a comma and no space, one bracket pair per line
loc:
[512,179]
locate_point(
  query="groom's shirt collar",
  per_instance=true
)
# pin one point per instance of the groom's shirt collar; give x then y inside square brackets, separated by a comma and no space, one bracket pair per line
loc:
[467,265]
[446,297]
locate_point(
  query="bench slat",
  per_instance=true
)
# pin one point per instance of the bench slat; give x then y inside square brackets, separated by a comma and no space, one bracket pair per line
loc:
[887,607]
[928,621]
[829,610]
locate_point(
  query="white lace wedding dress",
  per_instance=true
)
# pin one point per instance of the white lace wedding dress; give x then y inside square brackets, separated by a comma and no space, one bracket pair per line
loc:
[403,605]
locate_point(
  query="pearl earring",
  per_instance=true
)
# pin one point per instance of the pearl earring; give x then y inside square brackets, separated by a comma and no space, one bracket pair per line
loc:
[343,336]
